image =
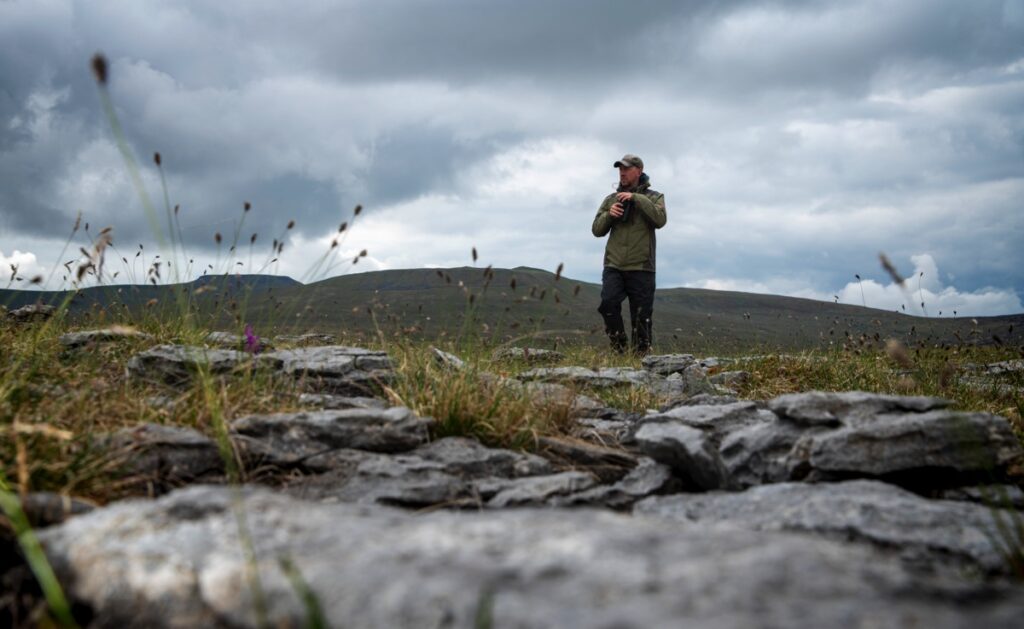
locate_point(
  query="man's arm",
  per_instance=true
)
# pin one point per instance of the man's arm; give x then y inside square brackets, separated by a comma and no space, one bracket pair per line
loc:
[653,209]
[603,221]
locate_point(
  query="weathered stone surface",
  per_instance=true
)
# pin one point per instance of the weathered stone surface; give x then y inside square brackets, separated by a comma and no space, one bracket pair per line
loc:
[225,339]
[695,455]
[468,457]
[74,340]
[666,364]
[336,368]
[680,385]
[701,399]
[162,457]
[533,490]
[291,437]
[850,407]
[581,376]
[921,530]
[714,361]
[311,338]
[529,354]
[963,443]
[647,478]
[911,441]
[453,472]
[32,312]
[447,360]
[731,378]
[179,561]
[552,393]
[689,451]
[720,417]
[177,364]
[335,402]
[999,368]
[397,480]
[759,453]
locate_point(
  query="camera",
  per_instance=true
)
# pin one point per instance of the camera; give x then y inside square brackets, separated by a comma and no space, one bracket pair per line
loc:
[627,207]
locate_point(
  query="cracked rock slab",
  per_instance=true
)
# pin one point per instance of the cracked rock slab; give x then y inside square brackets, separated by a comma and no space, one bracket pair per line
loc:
[178,364]
[922,531]
[290,436]
[179,561]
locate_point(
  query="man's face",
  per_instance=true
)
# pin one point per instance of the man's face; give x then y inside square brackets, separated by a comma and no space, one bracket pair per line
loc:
[629,176]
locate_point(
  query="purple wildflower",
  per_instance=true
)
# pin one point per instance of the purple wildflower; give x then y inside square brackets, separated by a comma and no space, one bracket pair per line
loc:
[252,342]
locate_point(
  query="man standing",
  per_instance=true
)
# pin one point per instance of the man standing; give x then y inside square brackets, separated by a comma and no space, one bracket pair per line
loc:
[631,214]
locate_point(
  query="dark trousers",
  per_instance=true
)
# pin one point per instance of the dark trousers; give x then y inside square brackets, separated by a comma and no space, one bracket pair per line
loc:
[638,286]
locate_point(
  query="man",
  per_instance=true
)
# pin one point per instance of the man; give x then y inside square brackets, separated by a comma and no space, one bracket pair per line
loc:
[631,214]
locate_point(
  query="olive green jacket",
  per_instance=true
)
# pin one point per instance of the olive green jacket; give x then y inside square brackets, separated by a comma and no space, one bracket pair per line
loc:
[631,246]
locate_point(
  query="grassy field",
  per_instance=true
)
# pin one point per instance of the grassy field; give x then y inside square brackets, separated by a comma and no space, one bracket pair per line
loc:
[54,402]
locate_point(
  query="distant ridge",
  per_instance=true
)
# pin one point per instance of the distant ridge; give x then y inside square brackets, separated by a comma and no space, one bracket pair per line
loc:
[433,302]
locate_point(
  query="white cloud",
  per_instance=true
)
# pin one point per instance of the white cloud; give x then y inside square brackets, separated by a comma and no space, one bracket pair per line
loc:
[20,264]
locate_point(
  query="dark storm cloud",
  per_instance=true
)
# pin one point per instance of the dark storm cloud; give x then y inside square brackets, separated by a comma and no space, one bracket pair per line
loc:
[793,139]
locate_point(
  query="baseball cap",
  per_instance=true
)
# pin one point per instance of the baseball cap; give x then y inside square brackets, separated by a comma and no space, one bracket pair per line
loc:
[630,160]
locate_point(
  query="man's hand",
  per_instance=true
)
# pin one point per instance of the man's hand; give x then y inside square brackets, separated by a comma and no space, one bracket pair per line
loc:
[624,196]
[616,210]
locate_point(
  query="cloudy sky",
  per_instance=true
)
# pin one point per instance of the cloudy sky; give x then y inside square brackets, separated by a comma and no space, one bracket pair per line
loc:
[794,140]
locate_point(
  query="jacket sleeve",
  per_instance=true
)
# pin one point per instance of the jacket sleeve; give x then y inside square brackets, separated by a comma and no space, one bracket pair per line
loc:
[653,209]
[603,221]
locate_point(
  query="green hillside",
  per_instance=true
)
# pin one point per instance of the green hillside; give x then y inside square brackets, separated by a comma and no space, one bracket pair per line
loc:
[503,305]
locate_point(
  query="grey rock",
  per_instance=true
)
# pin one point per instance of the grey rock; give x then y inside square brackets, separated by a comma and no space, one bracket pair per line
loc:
[719,418]
[289,437]
[335,402]
[533,490]
[75,340]
[689,451]
[923,531]
[971,444]
[647,478]
[470,458]
[529,354]
[162,457]
[336,368]
[445,472]
[680,385]
[850,407]
[666,364]
[178,364]
[913,442]
[714,361]
[397,480]
[179,561]
[731,378]
[447,360]
[701,399]
[581,376]
[759,453]
[999,368]
[225,339]
[310,338]
[32,312]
